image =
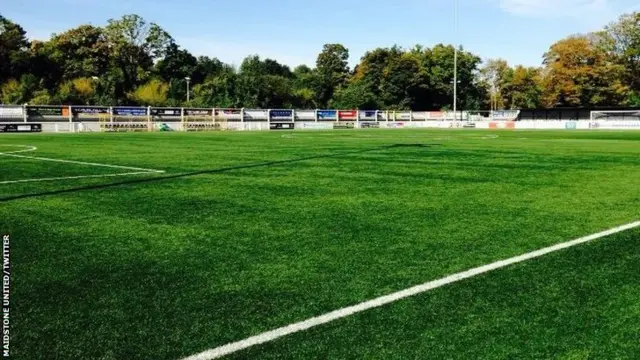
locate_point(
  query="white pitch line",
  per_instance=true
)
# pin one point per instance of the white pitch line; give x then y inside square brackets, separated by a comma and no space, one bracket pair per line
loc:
[33,148]
[383,300]
[73,177]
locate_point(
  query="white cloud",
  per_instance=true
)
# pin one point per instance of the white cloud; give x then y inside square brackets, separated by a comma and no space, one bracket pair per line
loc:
[557,8]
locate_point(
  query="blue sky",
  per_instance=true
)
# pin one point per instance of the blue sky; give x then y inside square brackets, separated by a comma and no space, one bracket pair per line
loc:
[293,32]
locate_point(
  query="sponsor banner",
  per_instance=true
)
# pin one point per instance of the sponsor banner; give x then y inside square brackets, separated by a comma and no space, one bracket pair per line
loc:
[129,111]
[571,125]
[502,125]
[347,114]
[435,115]
[420,115]
[344,125]
[229,114]
[89,111]
[614,125]
[256,114]
[505,115]
[166,112]
[11,111]
[469,125]
[383,115]
[281,114]
[198,112]
[327,115]
[396,125]
[305,115]
[20,127]
[368,115]
[281,126]
[403,115]
[317,126]
[369,125]
[47,110]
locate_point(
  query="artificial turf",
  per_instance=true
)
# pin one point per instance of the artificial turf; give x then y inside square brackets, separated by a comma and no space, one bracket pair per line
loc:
[246,232]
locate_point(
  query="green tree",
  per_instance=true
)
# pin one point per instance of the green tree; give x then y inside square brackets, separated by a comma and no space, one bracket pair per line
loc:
[14,48]
[153,93]
[134,45]
[332,68]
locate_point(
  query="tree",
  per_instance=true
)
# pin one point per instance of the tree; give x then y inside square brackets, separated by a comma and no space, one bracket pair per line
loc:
[356,95]
[134,45]
[153,93]
[14,48]
[579,73]
[402,83]
[79,52]
[624,44]
[495,76]
[332,68]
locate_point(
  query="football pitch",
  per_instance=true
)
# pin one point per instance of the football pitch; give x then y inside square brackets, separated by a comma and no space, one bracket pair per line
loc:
[172,245]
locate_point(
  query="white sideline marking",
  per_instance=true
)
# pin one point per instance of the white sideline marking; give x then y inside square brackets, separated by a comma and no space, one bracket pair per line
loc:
[82,163]
[139,171]
[73,177]
[386,299]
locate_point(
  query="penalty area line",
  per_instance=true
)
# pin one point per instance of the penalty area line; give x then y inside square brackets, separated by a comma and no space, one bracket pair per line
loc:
[386,299]
[76,177]
[82,163]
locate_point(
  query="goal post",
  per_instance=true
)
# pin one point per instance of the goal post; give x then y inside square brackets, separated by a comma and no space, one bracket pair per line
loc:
[203,123]
[123,123]
[615,115]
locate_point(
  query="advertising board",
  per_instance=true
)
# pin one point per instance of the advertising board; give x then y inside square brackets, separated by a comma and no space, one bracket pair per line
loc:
[281,126]
[45,111]
[317,126]
[347,115]
[129,111]
[256,114]
[344,125]
[368,115]
[21,127]
[281,115]
[166,112]
[370,125]
[327,115]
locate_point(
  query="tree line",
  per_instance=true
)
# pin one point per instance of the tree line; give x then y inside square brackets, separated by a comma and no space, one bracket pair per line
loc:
[130,61]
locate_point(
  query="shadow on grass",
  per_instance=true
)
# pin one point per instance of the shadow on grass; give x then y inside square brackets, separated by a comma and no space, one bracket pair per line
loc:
[211,171]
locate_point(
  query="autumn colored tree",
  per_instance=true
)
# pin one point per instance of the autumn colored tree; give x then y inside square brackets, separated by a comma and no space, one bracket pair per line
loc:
[580,73]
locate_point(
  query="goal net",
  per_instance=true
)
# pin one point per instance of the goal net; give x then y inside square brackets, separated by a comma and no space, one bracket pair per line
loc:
[617,115]
[203,123]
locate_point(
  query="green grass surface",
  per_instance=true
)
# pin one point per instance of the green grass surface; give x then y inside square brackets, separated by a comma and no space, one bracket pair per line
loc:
[246,232]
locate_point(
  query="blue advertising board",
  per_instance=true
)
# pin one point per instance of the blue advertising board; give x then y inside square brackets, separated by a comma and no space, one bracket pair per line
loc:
[367,114]
[327,114]
[281,114]
[132,111]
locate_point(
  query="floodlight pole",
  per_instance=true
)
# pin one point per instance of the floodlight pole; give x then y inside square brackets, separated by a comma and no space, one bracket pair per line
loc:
[455,60]
[188,80]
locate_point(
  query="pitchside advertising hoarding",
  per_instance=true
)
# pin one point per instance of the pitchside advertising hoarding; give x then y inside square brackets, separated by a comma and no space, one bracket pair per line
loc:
[281,115]
[198,112]
[40,111]
[89,110]
[11,111]
[344,125]
[256,115]
[282,126]
[169,112]
[129,111]
[21,128]
[327,115]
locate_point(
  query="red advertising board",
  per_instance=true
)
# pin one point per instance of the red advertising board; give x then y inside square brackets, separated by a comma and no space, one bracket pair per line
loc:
[347,114]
